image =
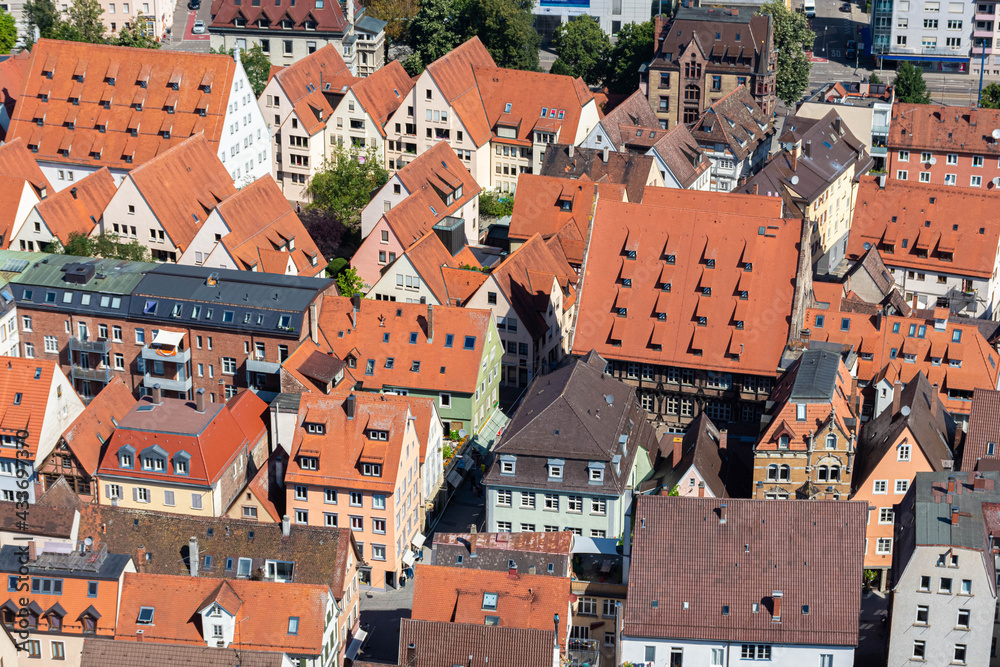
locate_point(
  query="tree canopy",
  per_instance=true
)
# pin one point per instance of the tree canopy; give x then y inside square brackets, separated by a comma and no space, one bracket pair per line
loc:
[349,282]
[346,183]
[633,47]
[990,98]
[910,85]
[105,244]
[397,15]
[583,49]
[792,38]
[326,230]
[506,28]
[8,31]
[134,37]
[256,64]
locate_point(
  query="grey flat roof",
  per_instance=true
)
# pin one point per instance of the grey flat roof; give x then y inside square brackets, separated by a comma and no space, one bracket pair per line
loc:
[816,377]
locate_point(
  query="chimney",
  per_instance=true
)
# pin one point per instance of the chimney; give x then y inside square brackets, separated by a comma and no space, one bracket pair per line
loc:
[157,394]
[793,158]
[193,556]
[756,188]
[723,438]
[356,306]
[555,618]
[140,558]
[678,450]
[701,489]
[776,597]
[512,571]
[32,551]
[881,182]
[472,547]
[897,396]
[954,516]
[430,323]
[571,150]
[807,148]
[935,399]
[604,155]
[73,192]
[313,323]
[286,526]
[199,400]
[349,406]
[978,482]
[951,484]
[838,126]
[411,653]
[722,514]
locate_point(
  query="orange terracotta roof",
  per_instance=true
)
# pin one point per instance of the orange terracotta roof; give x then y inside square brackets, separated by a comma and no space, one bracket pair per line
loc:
[411,219]
[12,73]
[182,186]
[261,223]
[24,398]
[945,129]
[720,202]
[79,207]
[528,94]
[212,439]
[89,431]
[429,257]
[541,206]
[17,161]
[345,443]
[460,284]
[316,70]
[452,73]
[884,344]
[906,219]
[381,93]
[690,237]
[265,490]
[98,65]
[456,594]
[442,367]
[437,174]
[262,611]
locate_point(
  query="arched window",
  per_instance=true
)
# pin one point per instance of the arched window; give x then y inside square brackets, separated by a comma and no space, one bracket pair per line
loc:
[772,472]
[834,473]
[692,93]
[784,473]
[821,473]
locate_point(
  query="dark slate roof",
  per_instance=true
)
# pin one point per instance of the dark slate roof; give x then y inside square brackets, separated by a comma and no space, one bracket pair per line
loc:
[577,413]
[699,448]
[930,522]
[810,550]
[930,423]
[984,428]
[438,643]
[816,377]
[319,554]
[110,568]
[111,653]
[321,367]
[494,551]
[624,168]
[682,154]
[241,293]
[736,121]
[731,42]
[831,150]
[632,111]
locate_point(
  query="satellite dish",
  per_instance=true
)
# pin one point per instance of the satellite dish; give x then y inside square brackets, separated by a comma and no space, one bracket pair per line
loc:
[609,399]
[88,541]
[905,411]
[996,134]
[867,245]
[996,181]
[462,433]
[933,160]
[795,180]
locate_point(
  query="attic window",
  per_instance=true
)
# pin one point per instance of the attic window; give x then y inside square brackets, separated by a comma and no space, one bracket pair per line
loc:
[293,625]
[371,470]
[146,615]
[671,259]
[490,601]
[318,429]
[377,434]
[308,462]
[566,205]
[506,108]
[413,338]
[545,112]
[415,367]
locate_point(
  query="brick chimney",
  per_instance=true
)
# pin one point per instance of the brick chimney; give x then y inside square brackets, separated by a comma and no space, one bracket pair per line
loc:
[897,396]
[723,438]
[756,188]
[776,597]
[140,558]
[954,516]
[793,158]
[678,450]
[430,323]
[512,571]
[32,551]
[951,484]
[978,482]
[807,148]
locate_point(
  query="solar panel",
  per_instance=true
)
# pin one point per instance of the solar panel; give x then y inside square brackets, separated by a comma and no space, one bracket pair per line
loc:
[144,408]
[15,265]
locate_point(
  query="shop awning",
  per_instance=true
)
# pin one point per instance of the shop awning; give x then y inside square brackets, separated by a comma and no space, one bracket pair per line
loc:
[418,541]
[594,545]
[408,558]
[356,643]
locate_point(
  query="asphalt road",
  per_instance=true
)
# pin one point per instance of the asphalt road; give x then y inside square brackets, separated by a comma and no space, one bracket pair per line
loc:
[181,38]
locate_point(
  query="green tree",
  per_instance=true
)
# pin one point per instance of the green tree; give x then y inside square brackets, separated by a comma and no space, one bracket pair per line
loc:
[910,85]
[8,31]
[105,244]
[874,78]
[346,183]
[433,32]
[85,19]
[134,37]
[633,47]
[349,282]
[582,47]
[397,14]
[792,38]
[493,204]
[41,14]
[78,245]
[256,64]
[990,98]
[506,28]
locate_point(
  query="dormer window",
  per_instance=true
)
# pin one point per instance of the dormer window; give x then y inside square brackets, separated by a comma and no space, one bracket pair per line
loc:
[239,23]
[308,462]
[180,467]
[671,259]
[508,464]
[371,470]
[124,460]
[374,434]
[215,611]
[595,472]
[316,429]
[783,442]
[555,468]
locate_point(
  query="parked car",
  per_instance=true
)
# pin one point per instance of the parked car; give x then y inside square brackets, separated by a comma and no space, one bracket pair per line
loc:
[194,4]
[846,7]
[852,48]
[199,28]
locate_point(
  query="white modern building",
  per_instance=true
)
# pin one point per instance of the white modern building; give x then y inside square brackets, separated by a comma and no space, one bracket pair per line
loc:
[611,14]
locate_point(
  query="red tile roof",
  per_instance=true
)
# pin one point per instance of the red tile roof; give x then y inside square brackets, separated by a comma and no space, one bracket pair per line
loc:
[182,185]
[437,644]
[912,218]
[18,170]
[436,174]
[325,17]
[97,65]
[455,594]
[452,73]
[261,222]
[541,206]
[262,611]
[430,259]
[213,439]
[941,128]
[381,93]
[88,432]
[442,367]
[12,73]
[809,550]
[24,398]
[306,83]
[871,335]
[345,445]
[693,236]
[78,208]
[983,428]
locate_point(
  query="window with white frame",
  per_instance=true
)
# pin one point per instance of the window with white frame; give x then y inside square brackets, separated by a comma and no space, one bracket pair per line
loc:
[504,498]
[880,486]
[527,500]
[598,506]
[885,515]
[901,486]
[903,452]
[884,545]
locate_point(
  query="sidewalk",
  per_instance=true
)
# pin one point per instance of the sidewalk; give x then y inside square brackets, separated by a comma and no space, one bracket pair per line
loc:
[874,630]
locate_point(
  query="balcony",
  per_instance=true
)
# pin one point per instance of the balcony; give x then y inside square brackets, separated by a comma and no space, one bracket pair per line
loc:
[99,346]
[167,384]
[261,366]
[96,374]
[880,129]
[879,150]
[984,17]
[150,353]
[583,653]
[984,33]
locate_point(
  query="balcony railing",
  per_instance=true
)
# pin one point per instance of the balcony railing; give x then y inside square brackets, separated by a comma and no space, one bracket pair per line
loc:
[987,34]
[880,129]
[99,346]
[982,16]
[583,653]
[180,357]
[167,384]
[97,374]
